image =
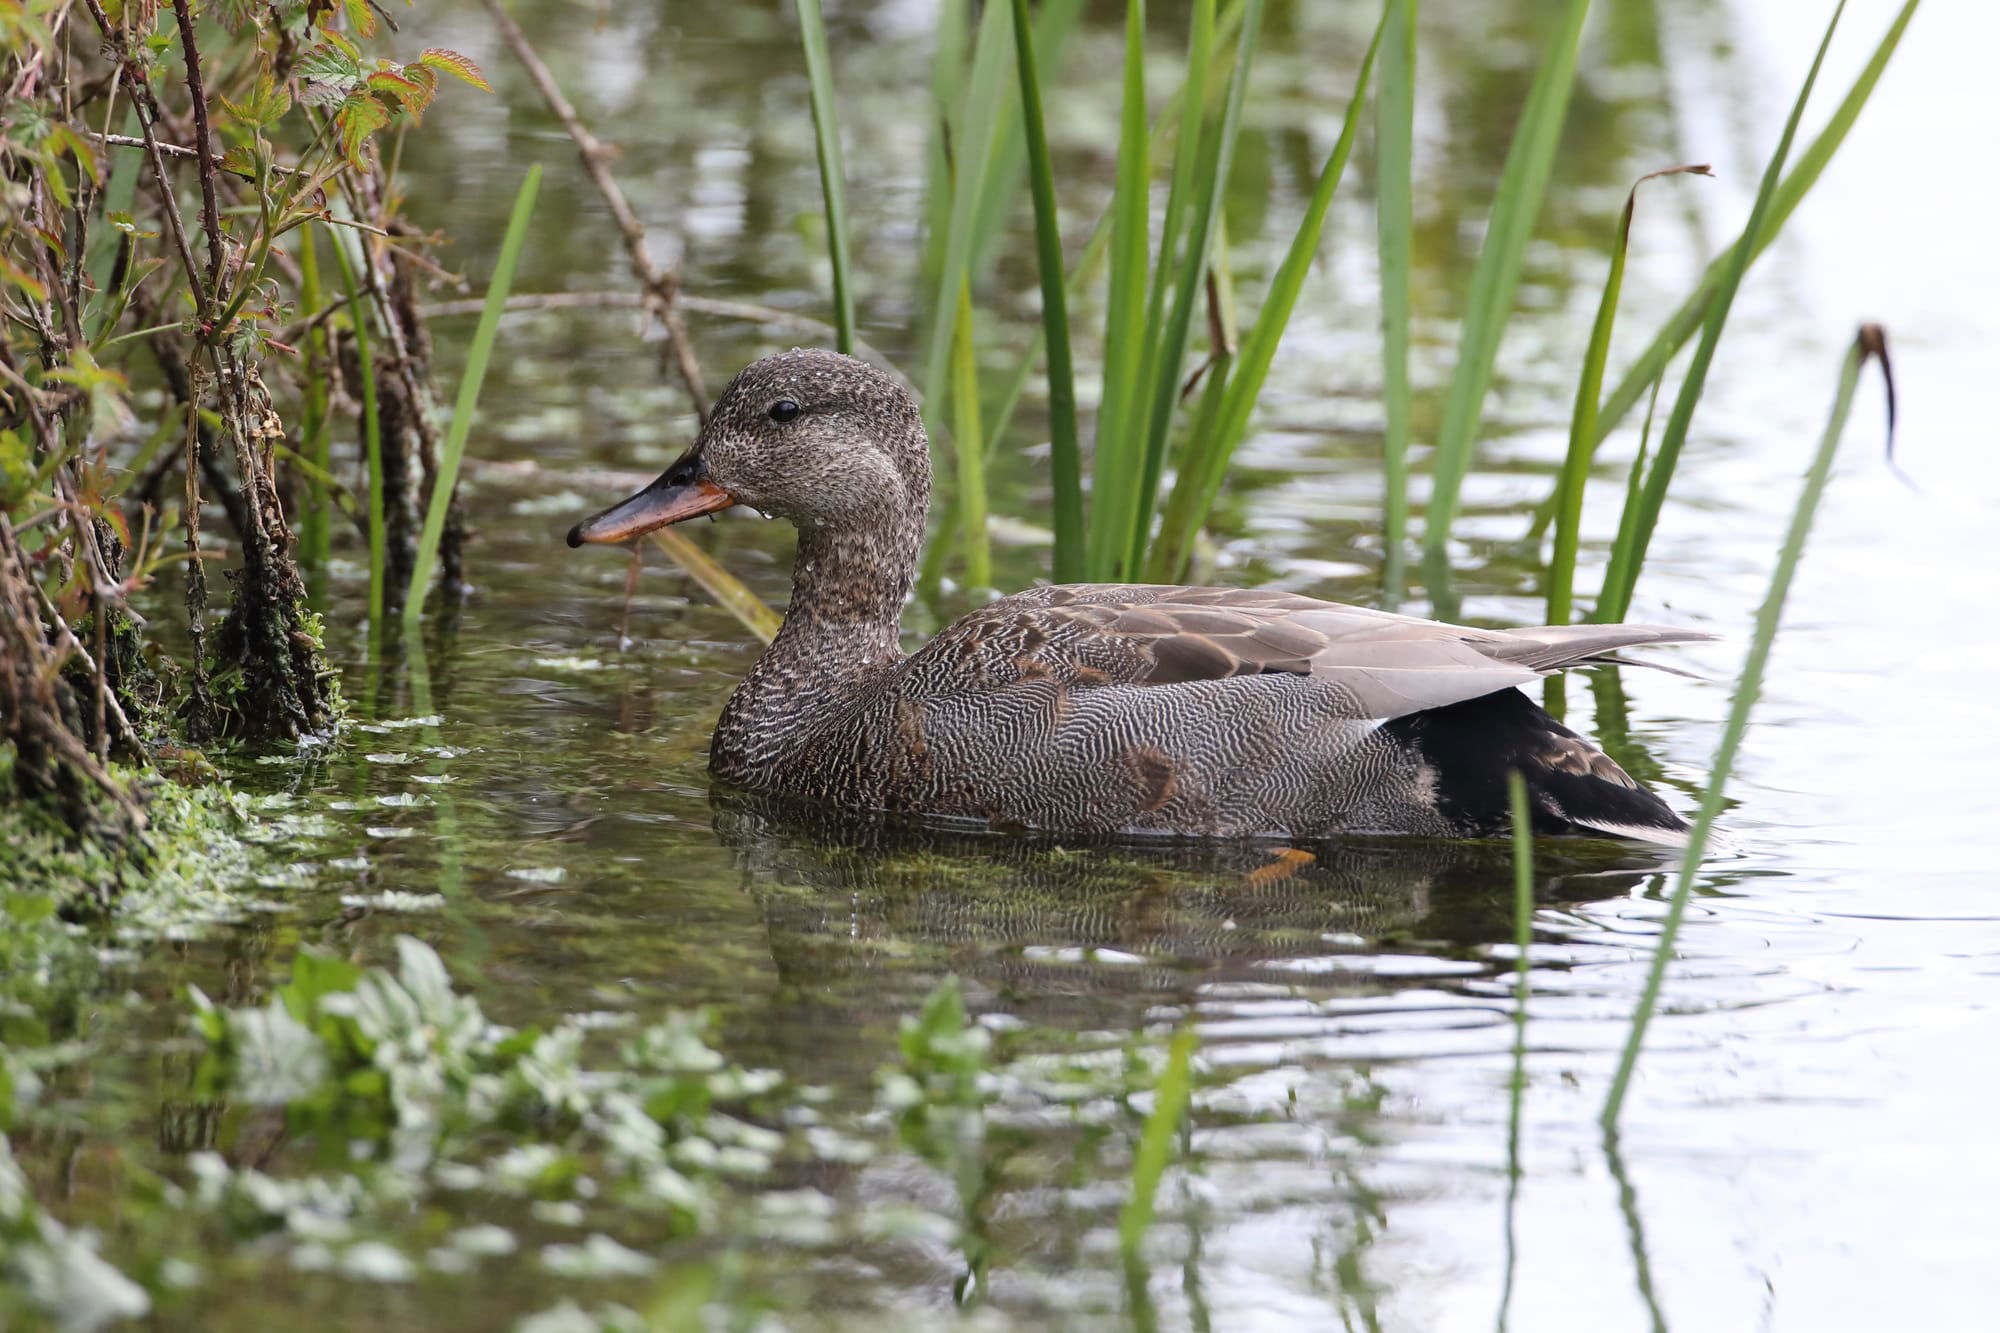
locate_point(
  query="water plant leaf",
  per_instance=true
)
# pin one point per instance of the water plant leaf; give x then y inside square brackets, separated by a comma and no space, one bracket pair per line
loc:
[970,452]
[729,592]
[1065,453]
[1395,239]
[1583,435]
[1490,301]
[1678,327]
[1124,318]
[832,174]
[1211,447]
[1870,343]
[445,484]
[1156,1144]
[1616,598]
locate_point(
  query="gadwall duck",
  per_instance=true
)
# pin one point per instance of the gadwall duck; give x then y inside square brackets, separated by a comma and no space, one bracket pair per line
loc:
[1104,708]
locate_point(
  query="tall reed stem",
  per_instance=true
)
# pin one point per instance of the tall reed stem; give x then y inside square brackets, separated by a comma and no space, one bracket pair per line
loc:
[1869,343]
[481,351]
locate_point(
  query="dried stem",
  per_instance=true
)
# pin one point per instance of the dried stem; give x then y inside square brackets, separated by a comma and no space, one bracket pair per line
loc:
[211,215]
[662,286]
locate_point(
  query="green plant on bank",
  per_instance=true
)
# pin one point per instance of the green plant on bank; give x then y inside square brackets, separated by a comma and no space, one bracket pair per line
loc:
[174,172]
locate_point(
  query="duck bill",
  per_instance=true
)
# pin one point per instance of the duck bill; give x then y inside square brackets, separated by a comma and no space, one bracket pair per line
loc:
[659,504]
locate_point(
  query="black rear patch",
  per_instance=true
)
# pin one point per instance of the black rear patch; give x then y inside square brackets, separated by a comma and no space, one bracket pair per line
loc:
[1573,787]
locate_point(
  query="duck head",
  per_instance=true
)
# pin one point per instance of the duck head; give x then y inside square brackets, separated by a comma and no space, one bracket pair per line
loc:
[822,439]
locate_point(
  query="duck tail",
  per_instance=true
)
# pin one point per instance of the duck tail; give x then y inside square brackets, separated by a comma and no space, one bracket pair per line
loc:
[1573,787]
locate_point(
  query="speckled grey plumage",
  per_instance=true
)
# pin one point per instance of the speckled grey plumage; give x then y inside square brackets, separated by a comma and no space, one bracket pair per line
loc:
[1096,708]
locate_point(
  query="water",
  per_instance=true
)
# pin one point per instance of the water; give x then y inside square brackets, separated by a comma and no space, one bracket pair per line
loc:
[1804,1149]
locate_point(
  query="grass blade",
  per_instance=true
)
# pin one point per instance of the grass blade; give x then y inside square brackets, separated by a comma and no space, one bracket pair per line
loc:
[832,174]
[1395,234]
[1156,1144]
[1621,545]
[966,438]
[1065,454]
[971,148]
[315,435]
[1125,311]
[1583,435]
[1680,326]
[728,591]
[1869,343]
[1218,150]
[371,441]
[1516,205]
[1209,452]
[1616,599]
[476,357]
[1517,1083]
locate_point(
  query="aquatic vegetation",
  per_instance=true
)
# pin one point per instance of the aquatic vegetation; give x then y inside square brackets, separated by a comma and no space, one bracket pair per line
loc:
[1870,344]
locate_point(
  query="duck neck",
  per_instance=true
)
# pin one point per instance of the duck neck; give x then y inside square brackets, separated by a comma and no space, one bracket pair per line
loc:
[841,630]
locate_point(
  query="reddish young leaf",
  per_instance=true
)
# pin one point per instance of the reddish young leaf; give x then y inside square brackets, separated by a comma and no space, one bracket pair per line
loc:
[456,65]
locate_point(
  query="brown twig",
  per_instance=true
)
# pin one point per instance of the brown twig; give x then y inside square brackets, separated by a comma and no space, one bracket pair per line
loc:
[148,108]
[662,286]
[211,214]
[700,305]
[176,150]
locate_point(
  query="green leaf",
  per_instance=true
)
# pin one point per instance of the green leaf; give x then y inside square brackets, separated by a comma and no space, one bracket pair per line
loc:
[832,174]
[1517,203]
[23,279]
[63,139]
[1869,343]
[1395,229]
[330,67]
[1210,449]
[362,17]
[467,403]
[1616,598]
[359,117]
[1065,457]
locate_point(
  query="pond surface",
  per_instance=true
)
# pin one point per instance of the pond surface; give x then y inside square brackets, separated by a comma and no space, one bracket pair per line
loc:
[1808,1144]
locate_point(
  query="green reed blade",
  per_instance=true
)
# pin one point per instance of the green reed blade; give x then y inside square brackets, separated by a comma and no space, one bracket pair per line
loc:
[1616,599]
[1628,515]
[1156,1144]
[1125,310]
[1516,205]
[1869,342]
[971,149]
[1169,354]
[1524,938]
[1005,171]
[1583,417]
[947,81]
[445,484]
[371,436]
[1001,420]
[1517,1079]
[1209,452]
[1395,233]
[1065,455]
[965,436]
[832,174]
[315,435]
[1647,367]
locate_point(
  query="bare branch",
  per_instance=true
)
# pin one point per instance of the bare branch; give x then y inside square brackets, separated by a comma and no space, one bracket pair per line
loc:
[662,286]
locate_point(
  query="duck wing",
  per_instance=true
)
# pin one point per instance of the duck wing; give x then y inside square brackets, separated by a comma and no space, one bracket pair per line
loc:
[1383,665]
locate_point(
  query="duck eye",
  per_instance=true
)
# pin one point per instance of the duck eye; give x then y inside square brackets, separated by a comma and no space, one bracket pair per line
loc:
[784,410]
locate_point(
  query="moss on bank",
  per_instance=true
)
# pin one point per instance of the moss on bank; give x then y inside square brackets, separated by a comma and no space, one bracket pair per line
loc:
[193,852]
